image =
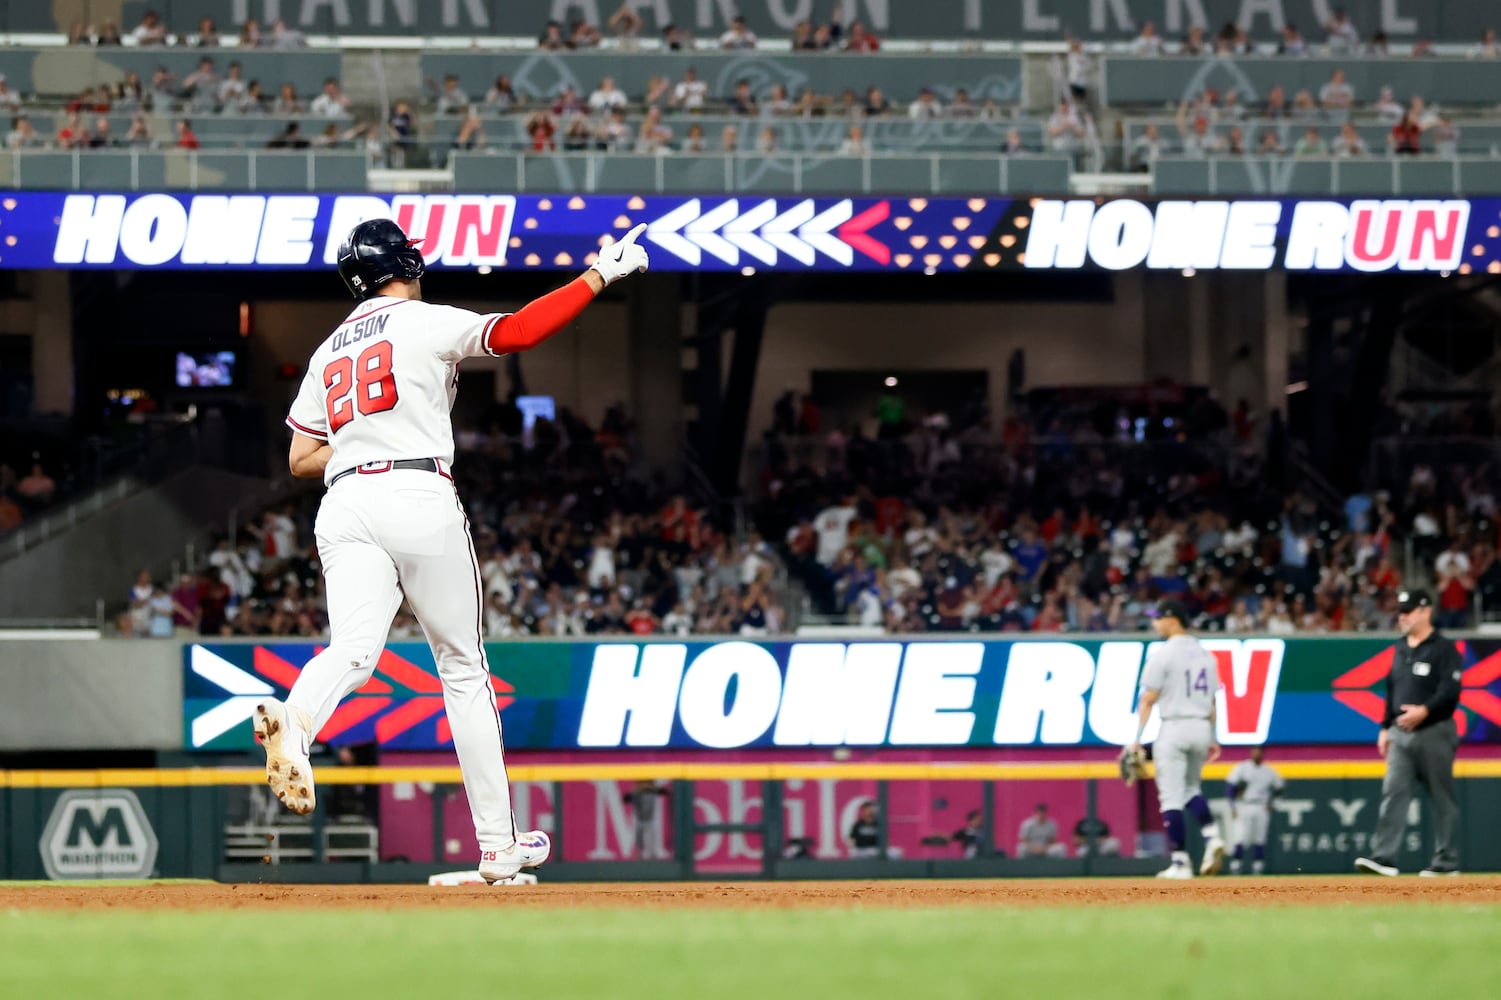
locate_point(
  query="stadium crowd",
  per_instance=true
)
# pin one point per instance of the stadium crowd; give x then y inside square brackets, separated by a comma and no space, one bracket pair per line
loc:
[946,525]
[572,538]
[1212,123]
[1065,521]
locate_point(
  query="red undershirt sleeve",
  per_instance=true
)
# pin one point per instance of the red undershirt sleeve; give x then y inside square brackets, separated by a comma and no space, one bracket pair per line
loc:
[539,319]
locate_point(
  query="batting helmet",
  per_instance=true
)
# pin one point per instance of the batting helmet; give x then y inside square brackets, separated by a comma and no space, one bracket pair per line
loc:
[376,252]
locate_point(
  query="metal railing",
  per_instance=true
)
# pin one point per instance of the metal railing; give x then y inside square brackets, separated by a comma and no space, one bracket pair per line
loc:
[1328,175]
[203,169]
[101,475]
[1392,458]
[30,534]
[783,172]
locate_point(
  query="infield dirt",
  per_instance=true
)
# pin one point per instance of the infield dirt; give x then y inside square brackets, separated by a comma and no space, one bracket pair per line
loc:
[1333,891]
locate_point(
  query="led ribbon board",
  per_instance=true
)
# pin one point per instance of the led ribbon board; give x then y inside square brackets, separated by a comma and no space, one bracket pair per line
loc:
[917,235]
[804,695]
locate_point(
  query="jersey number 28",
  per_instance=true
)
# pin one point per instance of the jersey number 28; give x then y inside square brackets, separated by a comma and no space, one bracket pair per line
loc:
[368,377]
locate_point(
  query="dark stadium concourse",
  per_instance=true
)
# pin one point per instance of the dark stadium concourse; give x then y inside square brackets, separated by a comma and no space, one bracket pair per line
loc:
[126,341]
[1236,334]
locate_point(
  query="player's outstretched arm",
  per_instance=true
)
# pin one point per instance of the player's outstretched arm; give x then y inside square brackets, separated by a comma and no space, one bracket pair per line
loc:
[541,318]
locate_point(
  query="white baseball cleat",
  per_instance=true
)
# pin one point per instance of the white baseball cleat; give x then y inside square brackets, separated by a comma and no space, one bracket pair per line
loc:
[283,732]
[1214,856]
[1179,870]
[530,850]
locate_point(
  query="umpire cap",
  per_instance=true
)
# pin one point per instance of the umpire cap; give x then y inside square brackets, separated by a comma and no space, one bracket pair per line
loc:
[1169,608]
[376,252]
[1411,600]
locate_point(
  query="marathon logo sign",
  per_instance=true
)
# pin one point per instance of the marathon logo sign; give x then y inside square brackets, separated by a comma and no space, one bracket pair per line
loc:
[98,834]
[930,694]
[1369,235]
[280,231]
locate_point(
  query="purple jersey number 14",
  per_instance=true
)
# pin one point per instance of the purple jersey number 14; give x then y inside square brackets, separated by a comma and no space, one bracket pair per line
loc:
[1202,684]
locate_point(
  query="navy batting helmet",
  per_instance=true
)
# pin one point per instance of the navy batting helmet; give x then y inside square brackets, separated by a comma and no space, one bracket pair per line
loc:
[374,253]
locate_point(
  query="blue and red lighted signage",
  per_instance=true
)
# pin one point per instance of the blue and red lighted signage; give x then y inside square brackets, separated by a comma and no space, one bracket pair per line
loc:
[732,695]
[563,232]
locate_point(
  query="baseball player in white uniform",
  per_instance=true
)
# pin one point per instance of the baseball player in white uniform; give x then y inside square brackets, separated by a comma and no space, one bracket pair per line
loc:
[1252,786]
[1181,680]
[372,420]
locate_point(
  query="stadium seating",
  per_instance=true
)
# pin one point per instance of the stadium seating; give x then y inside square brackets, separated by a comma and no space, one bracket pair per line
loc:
[66,71]
[905,155]
[1127,81]
[117,169]
[900,77]
[1477,136]
[1382,175]
[751,173]
[895,134]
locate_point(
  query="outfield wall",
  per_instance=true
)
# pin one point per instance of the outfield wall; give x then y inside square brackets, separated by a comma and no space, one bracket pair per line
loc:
[756,745]
[718,821]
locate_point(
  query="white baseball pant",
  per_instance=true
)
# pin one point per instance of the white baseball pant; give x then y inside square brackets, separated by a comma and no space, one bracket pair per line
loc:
[1253,821]
[404,531]
[1178,756]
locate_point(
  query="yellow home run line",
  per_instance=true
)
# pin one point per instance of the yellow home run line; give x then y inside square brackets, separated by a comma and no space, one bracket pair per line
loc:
[1012,771]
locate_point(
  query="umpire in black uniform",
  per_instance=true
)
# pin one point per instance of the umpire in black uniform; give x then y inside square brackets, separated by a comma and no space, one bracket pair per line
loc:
[1418,739]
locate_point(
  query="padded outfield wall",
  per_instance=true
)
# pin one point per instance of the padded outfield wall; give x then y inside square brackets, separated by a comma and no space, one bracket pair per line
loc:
[932,728]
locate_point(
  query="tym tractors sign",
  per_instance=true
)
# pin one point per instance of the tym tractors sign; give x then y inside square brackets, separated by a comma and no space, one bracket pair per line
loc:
[805,695]
[98,834]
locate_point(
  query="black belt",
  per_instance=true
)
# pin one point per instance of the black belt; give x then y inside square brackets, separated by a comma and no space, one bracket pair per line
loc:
[376,468]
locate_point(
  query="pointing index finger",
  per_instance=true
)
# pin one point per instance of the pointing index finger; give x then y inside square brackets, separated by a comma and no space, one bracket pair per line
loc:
[635,234]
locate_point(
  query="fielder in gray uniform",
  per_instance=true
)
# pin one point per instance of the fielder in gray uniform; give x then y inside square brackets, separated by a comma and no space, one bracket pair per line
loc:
[1253,784]
[1181,680]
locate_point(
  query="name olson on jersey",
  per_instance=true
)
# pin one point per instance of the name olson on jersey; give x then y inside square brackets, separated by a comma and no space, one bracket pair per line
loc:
[737,694]
[153,230]
[365,329]
[1243,235]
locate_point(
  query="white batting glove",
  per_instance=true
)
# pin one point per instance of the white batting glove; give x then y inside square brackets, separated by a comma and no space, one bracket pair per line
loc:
[622,259]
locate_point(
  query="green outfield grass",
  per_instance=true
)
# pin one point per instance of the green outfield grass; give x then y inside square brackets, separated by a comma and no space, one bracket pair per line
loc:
[950,953]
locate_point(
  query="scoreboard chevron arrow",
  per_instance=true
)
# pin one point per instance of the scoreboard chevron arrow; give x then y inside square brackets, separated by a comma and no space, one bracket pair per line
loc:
[800,231]
[742,232]
[816,232]
[778,233]
[665,232]
[401,696]
[245,689]
[704,232]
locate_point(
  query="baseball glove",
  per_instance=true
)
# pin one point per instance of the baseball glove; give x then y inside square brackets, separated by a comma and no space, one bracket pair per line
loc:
[1133,762]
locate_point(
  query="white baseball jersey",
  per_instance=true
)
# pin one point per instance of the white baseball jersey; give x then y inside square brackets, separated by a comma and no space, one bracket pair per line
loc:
[381,386]
[379,390]
[1260,782]
[1185,676]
